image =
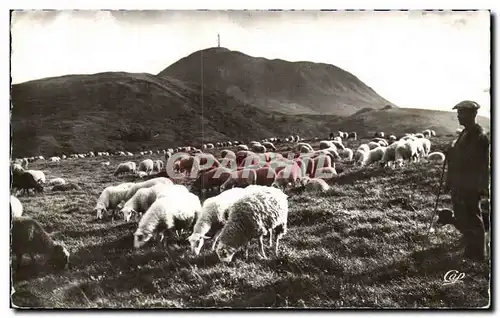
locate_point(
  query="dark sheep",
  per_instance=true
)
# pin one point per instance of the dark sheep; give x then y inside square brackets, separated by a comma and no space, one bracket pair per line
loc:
[25,181]
[29,237]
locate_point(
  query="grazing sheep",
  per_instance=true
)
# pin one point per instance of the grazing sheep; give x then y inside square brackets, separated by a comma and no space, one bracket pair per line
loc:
[242,147]
[176,210]
[144,198]
[56,181]
[228,154]
[29,237]
[208,179]
[427,133]
[325,144]
[372,156]
[338,144]
[55,159]
[157,165]
[259,148]
[146,165]
[105,163]
[65,187]
[389,155]
[352,135]
[419,135]
[17,168]
[145,184]
[436,156]
[315,185]
[346,154]
[16,208]
[289,175]
[265,176]
[214,215]
[269,145]
[373,145]
[300,145]
[25,181]
[261,210]
[406,150]
[433,133]
[240,178]
[110,198]
[380,134]
[364,147]
[141,174]
[38,175]
[125,167]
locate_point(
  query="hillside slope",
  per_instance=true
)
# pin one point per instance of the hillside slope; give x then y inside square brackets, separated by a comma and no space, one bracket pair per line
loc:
[277,85]
[79,113]
[400,120]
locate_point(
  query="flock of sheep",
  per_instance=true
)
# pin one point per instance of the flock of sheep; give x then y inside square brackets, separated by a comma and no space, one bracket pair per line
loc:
[250,184]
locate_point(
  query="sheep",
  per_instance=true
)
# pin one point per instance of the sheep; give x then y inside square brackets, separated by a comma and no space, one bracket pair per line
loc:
[110,198]
[315,185]
[105,163]
[55,159]
[419,135]
[269,145]
[38,175]
[125,167]
[389,154]
[325,144]
[364,147]
[56,181]
[373,145]
[304,149]
[290,174]
[406,150]
[325,173]
[157,165]
[427,133]
[144,198]
[265,176]
[146,165]
[145,184]
[372,156]
[380,134]
[300,145]
[240,178]
[352,135]
[242,147]
[338,144]
[16,208]
[228,154]
[436,156]
[259,148]
[215,177]
[17,167]
[214,215]
[141,174]
[346,154]
[29,237]
[433,133]
[25,181]
[260,211]
[177,209]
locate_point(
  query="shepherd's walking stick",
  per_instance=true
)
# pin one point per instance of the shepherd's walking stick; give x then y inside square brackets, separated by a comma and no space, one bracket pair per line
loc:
[437,196]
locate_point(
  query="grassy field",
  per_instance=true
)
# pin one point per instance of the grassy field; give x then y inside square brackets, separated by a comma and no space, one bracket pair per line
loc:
[354,246]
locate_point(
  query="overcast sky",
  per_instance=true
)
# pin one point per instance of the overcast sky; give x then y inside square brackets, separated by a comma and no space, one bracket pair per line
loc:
[417,59]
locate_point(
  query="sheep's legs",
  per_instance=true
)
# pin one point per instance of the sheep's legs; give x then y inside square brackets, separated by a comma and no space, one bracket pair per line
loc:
[277,244]
[216,237]
[261,244]
[247,247]
[270,238]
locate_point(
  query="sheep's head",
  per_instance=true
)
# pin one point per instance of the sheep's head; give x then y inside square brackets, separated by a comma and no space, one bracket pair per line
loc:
[100,210]
[141,238]
[60,257]
[126,213]
[196,241]
[225,252]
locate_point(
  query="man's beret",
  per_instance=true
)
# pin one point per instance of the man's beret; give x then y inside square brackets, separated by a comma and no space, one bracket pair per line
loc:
[467,104]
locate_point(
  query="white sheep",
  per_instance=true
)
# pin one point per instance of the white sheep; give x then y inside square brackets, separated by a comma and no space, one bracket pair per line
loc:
[38,175]
[436,156]
[110,198]
[346,153]
[16,208]
[157,165]
[55,159]
[406,150]
[315,184]
[214,215]
[325,144]
[178,210]
[364,147]
[57,181]
[141,174]
[427,133]
[269,145]
[144,198]
[105,163]
[242,147]
[145,184]
[300,145]
[146,165]
[260,211]
[338,144]
[389,154]
[372,156]
[125,167]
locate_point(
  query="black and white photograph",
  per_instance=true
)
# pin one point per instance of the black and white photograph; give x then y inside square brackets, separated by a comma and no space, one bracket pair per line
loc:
[247,159]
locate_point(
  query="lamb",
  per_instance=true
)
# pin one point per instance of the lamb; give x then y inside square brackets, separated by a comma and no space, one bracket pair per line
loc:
[146,165]
[57,181]
[315,185]
[16,208]
[436,156]
[178,209]
[144,198]
[38,175]
[260,211]
[29,237]
[214,215]
[110,198]
[125,167]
